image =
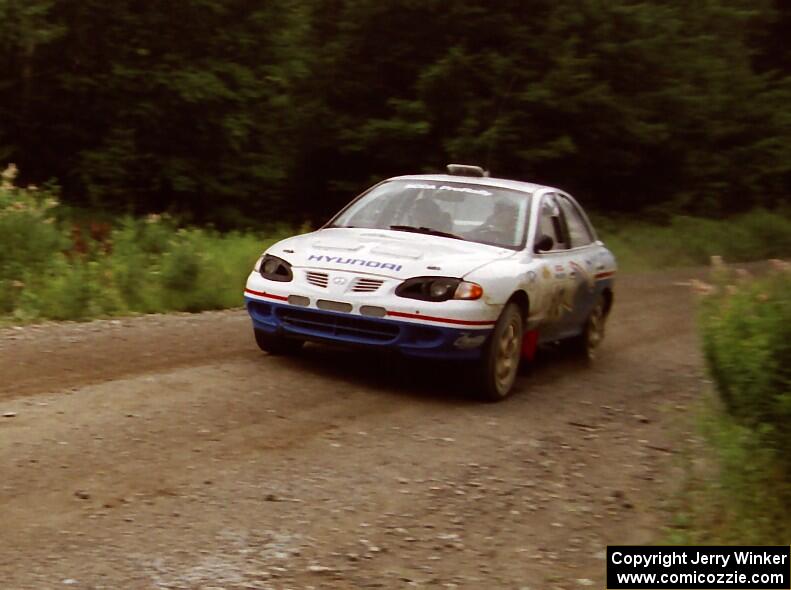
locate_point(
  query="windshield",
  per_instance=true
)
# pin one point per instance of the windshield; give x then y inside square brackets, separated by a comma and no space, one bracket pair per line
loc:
[478,213]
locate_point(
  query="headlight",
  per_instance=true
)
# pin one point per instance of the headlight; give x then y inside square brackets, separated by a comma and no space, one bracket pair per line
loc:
[438,289]
[275,269]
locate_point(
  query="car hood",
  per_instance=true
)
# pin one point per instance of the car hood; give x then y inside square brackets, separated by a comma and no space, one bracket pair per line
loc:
[387,253]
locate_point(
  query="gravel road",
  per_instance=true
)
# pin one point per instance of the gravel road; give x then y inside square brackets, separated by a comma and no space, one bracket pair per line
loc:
[168,452]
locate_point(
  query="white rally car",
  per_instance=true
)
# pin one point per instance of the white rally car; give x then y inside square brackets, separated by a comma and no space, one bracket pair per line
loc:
[450,266]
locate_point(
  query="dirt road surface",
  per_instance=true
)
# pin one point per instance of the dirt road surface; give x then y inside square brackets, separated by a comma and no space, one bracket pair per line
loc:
[168,452]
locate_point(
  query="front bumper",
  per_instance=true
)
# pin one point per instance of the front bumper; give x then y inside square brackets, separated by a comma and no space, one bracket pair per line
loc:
[409,338]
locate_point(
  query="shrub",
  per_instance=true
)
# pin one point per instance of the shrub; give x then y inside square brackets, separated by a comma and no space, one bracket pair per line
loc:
[86,268]
[746,329]
[29,236]
[747,344]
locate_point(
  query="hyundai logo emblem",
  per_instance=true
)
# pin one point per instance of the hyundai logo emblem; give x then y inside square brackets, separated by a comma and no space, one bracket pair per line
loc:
[339,281]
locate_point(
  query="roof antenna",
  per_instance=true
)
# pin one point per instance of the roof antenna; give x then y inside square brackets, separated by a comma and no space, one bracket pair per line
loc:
[465,170]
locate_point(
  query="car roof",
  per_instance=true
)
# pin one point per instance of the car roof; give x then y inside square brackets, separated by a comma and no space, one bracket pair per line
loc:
[525,187]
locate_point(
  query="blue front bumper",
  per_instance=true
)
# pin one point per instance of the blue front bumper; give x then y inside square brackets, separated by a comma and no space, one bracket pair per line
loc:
[409,338]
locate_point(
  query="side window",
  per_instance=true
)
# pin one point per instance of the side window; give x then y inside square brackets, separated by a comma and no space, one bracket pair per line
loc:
[578,232]
[551,223]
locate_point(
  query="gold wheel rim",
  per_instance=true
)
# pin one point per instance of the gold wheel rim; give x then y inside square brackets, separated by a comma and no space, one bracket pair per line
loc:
[507,359]
[595,329]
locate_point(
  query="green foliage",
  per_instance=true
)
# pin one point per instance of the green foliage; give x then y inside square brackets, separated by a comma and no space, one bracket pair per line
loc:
[138,266]
[746,328]
[690,241]
[199,261]
[747,343]
[29,236]
[281,109]
[735,490]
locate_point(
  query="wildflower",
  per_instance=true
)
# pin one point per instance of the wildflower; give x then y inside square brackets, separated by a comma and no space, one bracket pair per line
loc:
[743,274]
[780,265]
[701,287]
[153,218]
[9,175]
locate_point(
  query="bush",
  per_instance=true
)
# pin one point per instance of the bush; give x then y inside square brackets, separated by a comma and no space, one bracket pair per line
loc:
[29,236]
[97,269]
[747,344]
[746,329]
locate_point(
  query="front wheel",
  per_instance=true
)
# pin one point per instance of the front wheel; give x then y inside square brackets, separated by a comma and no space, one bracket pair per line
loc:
[500,362]
[277,345]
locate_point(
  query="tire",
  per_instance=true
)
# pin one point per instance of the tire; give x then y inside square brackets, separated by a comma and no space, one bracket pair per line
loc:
[585,345]
[277,345]
[499,364]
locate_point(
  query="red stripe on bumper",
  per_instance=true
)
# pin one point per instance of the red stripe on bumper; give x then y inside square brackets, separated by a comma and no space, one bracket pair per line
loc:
[428,318]
[398,314]
[268,295]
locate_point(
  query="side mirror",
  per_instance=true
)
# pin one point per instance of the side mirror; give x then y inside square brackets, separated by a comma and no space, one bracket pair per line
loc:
[544,243]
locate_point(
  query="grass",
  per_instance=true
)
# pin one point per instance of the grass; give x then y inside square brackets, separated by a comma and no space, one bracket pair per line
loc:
[738,478]
[691,241]
[148,269]
[53,269]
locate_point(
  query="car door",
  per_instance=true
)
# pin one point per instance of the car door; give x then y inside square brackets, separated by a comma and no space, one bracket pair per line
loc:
[553,272]
[581,260]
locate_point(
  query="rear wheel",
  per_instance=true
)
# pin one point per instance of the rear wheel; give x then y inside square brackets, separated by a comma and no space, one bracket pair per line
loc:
[277,345]
[587,343]
[500,363]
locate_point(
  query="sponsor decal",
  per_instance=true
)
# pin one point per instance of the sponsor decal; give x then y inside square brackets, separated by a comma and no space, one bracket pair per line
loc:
[354,261]
[531,276]
[559,303]
[560,271]
[587,278]
[464,189]
[546,273]
[445,187]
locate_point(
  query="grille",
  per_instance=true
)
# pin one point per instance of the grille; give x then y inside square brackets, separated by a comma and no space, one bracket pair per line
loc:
[338,326]
[366,285]
[318,279]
